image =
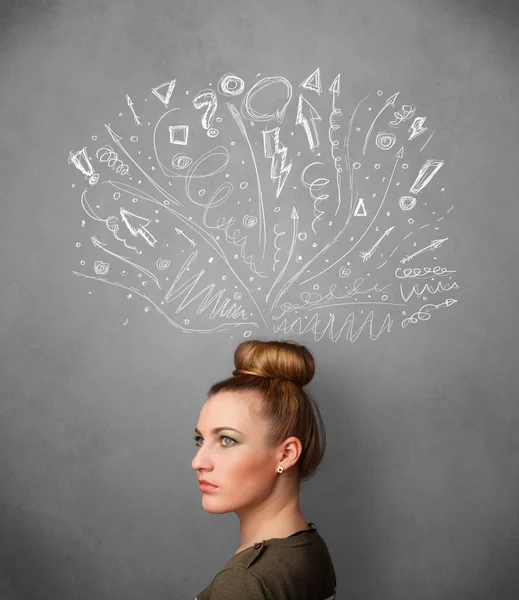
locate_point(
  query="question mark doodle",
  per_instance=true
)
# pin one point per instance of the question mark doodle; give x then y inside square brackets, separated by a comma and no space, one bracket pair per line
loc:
[207,98]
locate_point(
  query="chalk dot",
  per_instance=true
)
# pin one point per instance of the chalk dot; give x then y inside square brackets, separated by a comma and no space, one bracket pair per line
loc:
[129,296]
[219,119]
[94,137]
[277,209]
[410,221]
[316,287]
[384,298]
[73,185]
[377,228]
[243,185]
[314,245]
[120,114]
[153,168]
[302,236]
[83,223]
[358,128]
[356,165]
[299,154]
[224,277]
[247,334]
[117,195]
[299,258]
[124,272]
[388,213]
[233,143]
[134,138]
[351,239]
[166,202]
[134,200]
[146,309]
[379,93]
[78,244]
[82,263]
[377,166]
[405,166]
[202,192]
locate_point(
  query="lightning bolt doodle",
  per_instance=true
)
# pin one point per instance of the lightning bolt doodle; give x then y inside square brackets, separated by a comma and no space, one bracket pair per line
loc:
[277,152]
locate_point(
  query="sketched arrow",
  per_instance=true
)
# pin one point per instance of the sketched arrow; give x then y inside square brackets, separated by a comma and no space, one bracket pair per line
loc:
[130,104]
[367,255]
[306,116]
[102,246]
[180,232]
[137,226]
[432,246]
[389,102]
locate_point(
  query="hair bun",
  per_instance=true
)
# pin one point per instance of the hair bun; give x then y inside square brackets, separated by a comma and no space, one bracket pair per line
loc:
[285,360]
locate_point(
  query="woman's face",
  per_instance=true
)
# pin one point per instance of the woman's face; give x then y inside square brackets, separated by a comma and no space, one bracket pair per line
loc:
[236,459]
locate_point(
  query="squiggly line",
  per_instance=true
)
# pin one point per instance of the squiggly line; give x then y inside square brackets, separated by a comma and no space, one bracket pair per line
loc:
[334,143]
[220,309]
[298,328]
[318,183]
[220,327]
[427,289]
[295,218]
[276,260]
[110,156]
[313,300]
[424,313]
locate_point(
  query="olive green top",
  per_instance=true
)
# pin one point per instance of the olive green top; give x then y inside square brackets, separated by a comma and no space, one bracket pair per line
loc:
[297,567]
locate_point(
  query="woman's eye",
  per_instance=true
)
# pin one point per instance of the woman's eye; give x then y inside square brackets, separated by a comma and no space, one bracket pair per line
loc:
[197,439]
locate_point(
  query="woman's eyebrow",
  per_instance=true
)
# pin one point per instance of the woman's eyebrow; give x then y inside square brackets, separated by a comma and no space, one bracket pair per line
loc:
[218,429]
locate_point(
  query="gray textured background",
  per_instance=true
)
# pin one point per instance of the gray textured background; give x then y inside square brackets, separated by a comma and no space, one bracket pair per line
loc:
[417,496]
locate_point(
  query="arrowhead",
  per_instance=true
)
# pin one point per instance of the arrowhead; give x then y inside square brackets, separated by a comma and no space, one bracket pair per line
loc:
[450,301]
[306,112]
[96,242]
[436,243]
[400,153]
[116,138]
[336,85]
[294,213]
[134,223]
[391,101]
[389,230]
[178,230]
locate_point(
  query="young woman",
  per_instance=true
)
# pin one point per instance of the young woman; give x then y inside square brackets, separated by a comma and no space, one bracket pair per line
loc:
[258,439]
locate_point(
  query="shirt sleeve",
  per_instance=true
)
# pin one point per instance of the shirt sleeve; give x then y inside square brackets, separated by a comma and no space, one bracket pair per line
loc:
[238,582]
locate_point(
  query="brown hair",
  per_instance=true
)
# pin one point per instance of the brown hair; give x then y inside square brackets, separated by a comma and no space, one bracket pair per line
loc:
[279,371]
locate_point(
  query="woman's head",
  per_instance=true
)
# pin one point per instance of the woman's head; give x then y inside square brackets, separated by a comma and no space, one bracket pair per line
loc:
[266,402]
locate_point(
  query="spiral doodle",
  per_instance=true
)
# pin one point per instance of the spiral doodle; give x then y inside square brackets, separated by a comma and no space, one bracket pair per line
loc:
[250,220]
[163,264]
[344,272]
[101,268]
[108,155]
[181,161]
[385,141]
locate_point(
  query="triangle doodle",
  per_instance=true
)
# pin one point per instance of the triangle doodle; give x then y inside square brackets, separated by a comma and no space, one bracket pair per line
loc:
[171,86]
[313,82]
[360,211]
